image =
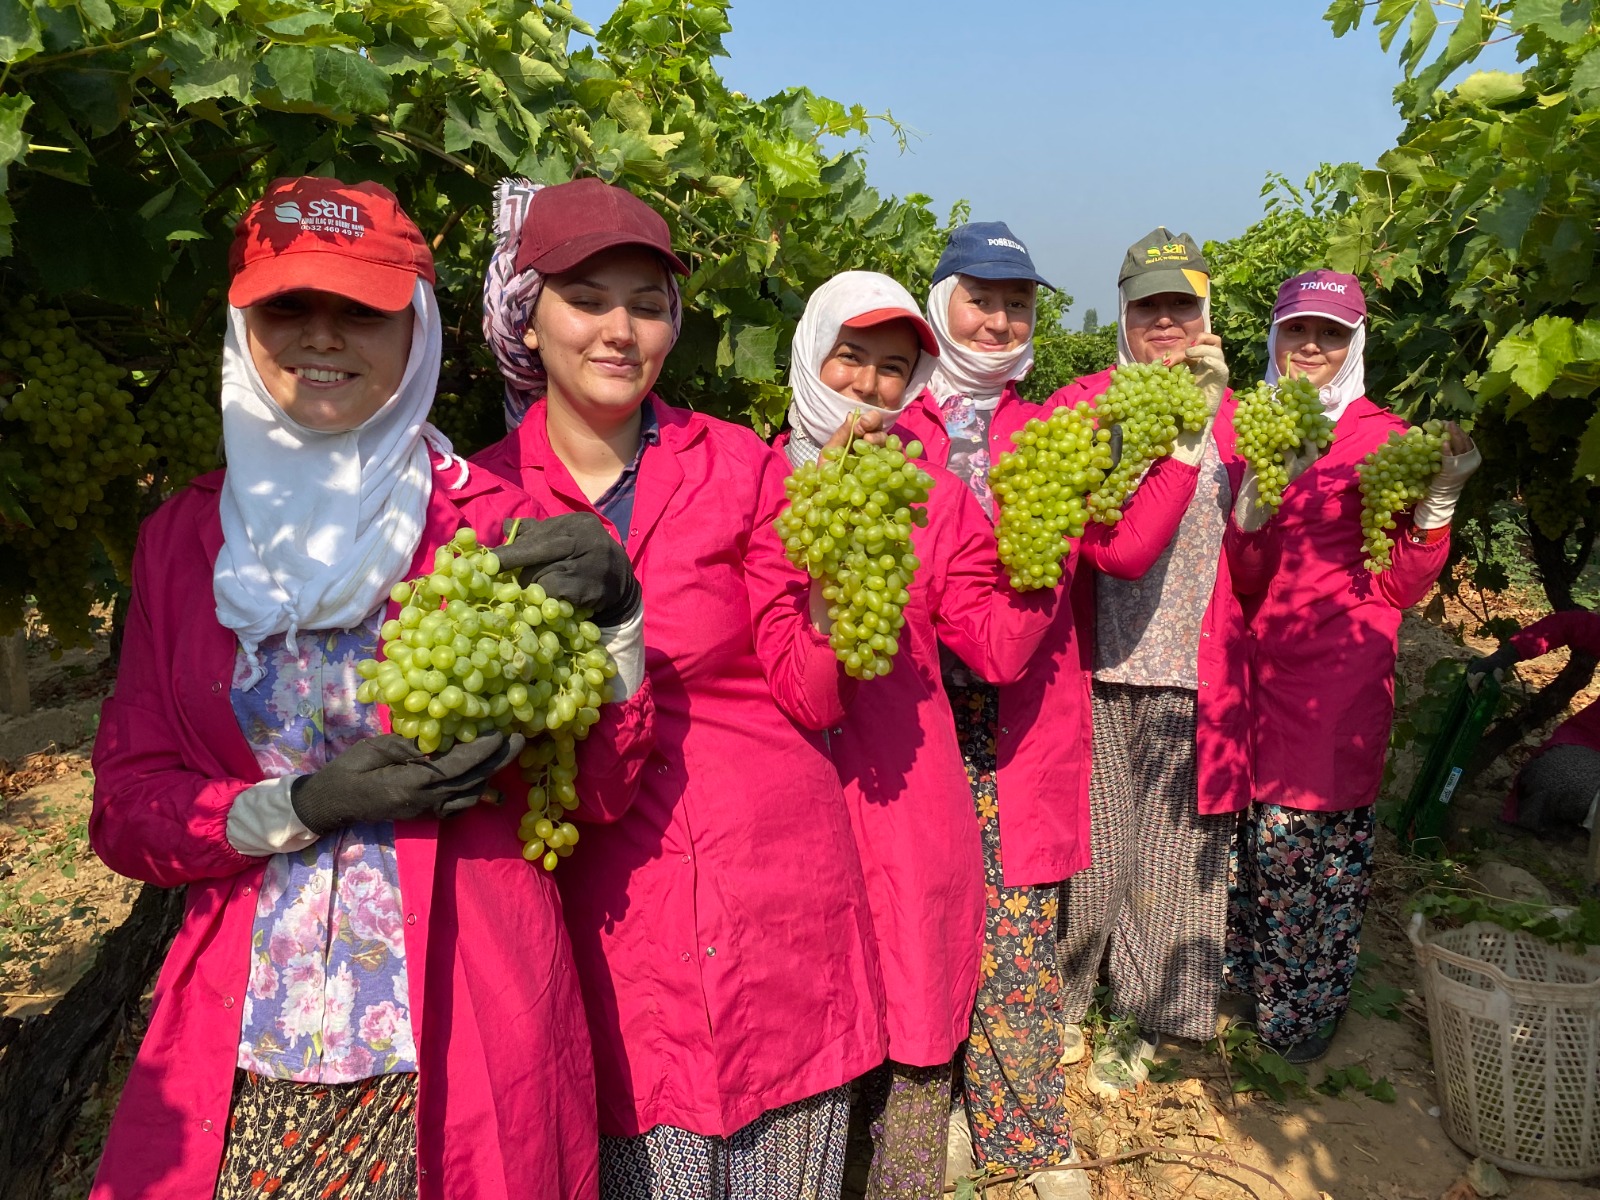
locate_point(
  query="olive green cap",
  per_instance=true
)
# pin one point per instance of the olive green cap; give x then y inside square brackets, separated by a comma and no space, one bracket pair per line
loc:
[1162,261]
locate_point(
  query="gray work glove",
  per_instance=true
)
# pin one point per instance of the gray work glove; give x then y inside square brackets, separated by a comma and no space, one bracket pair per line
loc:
[386,778]
[573,558]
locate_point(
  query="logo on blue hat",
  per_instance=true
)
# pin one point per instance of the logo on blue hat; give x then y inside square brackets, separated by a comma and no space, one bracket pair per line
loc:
[987,250]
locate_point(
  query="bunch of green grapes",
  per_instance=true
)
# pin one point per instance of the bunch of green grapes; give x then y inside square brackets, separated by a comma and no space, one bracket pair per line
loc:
[848,523]
[181,419]
[1043,488]
[67,404]
[474,651]
[1153,403]
[1272,423]
[1393,478]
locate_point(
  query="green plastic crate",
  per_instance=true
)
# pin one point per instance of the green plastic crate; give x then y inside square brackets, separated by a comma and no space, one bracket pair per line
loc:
[1419,823]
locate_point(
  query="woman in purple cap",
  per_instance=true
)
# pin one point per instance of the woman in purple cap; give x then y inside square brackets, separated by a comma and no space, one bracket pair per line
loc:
[1024,744]
[721,927]
[1322,675]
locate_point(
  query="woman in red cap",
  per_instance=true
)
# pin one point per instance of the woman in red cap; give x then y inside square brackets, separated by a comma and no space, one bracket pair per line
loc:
[721,928]
[1324,632]
[861,353]
[371,993]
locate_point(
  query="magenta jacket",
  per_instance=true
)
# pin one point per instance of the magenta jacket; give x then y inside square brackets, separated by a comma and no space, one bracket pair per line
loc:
[1323,629]
[1043,748]
[1580,629]
[906,785]
[1222,701]
[505,1103]
[721,928]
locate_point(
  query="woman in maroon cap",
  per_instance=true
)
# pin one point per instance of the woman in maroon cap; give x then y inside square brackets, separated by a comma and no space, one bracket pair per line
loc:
[721,927]
[1324,632]
[371,993]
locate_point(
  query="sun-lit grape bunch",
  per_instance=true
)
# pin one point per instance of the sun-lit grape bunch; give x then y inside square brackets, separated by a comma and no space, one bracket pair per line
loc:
[182,418]
[1272,423]
[1043,488]
[848,523]
[474,651]
[1393,478]
[66,400]
[1153,403]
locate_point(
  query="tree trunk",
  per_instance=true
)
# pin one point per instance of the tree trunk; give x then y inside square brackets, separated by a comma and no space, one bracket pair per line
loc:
[1558,575]
[49,1065]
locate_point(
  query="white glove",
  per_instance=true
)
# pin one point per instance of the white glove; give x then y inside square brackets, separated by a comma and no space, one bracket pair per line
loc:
[1210,367]
[1249,514]
[1188,447]
[625,644]
[1438,506]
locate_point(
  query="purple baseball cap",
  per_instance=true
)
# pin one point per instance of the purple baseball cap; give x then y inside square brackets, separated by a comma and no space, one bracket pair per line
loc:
[1322,293]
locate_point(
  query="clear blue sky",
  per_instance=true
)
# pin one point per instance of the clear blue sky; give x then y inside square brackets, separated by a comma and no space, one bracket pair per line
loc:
[1082,124]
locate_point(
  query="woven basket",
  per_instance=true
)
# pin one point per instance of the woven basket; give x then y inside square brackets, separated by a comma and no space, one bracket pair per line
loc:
[1515,1024]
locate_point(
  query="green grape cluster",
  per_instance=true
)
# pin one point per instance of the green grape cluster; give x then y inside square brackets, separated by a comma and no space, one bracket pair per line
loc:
[181,418]
[69,406]
[1272,423]
[1153,403]
[848,523]
[474,651]
[1043,488]
[1393,478]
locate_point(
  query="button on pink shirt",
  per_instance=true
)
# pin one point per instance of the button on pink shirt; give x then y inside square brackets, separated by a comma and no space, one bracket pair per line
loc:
[721,926]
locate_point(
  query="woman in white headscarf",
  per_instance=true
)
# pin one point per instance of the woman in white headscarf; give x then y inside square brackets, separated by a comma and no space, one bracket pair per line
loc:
[341,885]
[1170,718]
[1024,744]
[1324,633]
[862,352]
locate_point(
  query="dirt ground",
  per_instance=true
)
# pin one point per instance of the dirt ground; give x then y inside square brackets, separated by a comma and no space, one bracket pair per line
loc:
[57,900]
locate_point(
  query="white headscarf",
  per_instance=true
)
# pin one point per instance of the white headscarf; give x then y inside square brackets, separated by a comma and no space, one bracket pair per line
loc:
[816,410]
[1124,351]
[317,527]
[980,375]
[1349,385]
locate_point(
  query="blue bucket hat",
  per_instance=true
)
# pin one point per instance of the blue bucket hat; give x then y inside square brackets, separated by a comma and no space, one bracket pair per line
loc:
[987,250]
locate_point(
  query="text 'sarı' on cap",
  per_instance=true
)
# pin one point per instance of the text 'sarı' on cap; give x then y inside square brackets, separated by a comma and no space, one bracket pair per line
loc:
[1322,293]
[569,222]
[316,234]
[1162,262]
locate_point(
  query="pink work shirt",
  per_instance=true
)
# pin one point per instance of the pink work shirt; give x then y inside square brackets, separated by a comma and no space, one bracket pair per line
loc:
[1323,629]
[721,927]
[910,803]
[1579,629]
[1222,701]
[1043,746]
[505,1101]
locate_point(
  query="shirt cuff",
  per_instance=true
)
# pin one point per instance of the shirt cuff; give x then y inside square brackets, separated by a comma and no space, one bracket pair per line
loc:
[625,644]
[262,820]
[1427,537]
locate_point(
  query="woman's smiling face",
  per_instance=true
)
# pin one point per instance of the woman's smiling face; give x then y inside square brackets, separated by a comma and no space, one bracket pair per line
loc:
[329,362]
[1312,347]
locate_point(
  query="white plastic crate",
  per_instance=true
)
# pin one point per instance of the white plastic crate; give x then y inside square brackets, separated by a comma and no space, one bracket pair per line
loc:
[1515,1024]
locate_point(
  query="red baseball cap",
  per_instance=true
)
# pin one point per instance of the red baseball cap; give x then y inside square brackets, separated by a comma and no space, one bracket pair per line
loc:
[569,222]
[1322,293]
[318,234]
[882,316]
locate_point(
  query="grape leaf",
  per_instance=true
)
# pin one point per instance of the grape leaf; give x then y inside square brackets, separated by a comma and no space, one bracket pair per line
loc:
[12,140]
[1344,15]
[1491,88]
[1536,356]
[19,35]
[1508,216]
[1559,20]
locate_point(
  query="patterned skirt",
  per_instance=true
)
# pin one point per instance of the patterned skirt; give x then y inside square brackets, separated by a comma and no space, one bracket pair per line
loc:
[1011,1071]
[1300,888]
[791,1153]
[316,1141]
[907,1109]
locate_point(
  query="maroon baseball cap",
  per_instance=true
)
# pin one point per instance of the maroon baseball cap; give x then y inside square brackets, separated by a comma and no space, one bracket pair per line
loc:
[1322,293]
[318,234]
[570,222]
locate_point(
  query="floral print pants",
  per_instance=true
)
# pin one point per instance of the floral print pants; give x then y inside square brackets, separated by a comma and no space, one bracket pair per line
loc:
[1011,1065]
[908,1109]
[1300,886]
